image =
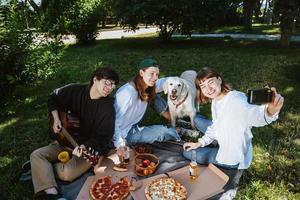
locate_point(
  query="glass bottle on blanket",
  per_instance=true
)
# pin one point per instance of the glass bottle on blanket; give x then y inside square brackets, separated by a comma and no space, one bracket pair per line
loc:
[124,157]
[194,168]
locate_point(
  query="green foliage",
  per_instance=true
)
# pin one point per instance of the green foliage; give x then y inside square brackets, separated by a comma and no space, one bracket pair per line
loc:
[78,17]
[43,61]
[85,18]
[26,54]
[15,42]
[54,17]
[176,16]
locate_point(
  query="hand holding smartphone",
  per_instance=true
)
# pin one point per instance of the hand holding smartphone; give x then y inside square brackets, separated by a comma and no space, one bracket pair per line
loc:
[260,96]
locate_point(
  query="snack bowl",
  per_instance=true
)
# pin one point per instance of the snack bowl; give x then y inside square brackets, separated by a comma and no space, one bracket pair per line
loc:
[145,164]
[142,148]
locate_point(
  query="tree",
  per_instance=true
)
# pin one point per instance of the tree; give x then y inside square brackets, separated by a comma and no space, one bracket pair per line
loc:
[288,13]
[25,57]
[170,16]
[248,13]
[84,19]
[79,17]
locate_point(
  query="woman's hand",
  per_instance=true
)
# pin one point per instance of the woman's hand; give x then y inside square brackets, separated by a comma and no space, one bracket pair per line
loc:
[121,151]
[276,104]
[191,145]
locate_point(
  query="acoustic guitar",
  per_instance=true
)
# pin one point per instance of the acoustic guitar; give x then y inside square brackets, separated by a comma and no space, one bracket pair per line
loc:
[70,122]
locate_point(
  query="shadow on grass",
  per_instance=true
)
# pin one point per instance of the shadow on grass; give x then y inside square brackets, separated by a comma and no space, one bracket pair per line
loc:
[24,129]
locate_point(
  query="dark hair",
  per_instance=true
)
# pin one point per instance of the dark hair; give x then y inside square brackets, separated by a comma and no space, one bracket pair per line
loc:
[204,74]
[105,73]
[145,93]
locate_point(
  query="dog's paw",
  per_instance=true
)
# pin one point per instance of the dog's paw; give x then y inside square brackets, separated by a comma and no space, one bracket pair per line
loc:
[183,124]
[189,133]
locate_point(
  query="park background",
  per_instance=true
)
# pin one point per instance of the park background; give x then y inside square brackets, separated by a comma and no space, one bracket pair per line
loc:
[37,56]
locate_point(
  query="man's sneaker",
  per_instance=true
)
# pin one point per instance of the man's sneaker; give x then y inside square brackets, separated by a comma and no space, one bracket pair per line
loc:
[188,132]
[184,124]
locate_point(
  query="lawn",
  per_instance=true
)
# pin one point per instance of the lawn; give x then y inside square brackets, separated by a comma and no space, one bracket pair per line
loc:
[274,173]
[264,29]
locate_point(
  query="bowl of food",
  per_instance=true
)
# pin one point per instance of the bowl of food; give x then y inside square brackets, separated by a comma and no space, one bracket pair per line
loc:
[145,164]
[142,148]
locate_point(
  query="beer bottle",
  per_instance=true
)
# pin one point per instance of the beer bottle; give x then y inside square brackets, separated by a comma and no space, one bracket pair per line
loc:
[193,165]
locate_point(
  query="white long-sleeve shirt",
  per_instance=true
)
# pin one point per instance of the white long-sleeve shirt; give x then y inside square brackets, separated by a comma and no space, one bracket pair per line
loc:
[233,117]
[130,109]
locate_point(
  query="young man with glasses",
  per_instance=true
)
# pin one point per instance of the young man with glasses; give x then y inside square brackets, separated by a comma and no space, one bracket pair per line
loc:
[95,110]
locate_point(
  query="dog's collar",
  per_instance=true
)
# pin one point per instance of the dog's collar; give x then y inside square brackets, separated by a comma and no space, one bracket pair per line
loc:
[176,105]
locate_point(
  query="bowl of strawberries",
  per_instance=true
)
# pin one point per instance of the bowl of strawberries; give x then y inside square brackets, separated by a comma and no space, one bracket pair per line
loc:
[145,164]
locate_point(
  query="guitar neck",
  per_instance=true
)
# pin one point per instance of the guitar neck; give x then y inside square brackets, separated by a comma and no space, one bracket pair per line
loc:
[69,137]
[91,157]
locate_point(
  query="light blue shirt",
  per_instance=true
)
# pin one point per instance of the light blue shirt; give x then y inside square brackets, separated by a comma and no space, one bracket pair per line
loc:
[130,109]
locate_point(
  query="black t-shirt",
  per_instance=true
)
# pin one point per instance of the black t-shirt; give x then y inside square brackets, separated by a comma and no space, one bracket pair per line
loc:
[96,116]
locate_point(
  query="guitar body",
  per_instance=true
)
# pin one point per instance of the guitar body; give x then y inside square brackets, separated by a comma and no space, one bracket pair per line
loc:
[70,122]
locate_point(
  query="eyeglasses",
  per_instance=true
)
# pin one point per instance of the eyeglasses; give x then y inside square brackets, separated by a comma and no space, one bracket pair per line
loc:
[110,84]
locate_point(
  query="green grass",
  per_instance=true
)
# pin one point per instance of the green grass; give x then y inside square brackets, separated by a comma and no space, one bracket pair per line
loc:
[265,29]
[274,173]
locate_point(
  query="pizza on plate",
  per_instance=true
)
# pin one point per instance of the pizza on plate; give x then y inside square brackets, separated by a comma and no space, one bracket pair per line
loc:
[104,189]
[165,188]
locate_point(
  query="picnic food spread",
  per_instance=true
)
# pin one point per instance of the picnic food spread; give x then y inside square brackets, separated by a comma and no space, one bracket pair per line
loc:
[104,189]
[145,164]
[165,188]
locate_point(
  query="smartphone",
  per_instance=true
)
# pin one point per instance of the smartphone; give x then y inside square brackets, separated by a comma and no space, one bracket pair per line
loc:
[259,96]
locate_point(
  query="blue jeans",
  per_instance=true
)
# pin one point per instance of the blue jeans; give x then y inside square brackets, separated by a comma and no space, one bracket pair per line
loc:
[206,155]
[150,134]
[201,123]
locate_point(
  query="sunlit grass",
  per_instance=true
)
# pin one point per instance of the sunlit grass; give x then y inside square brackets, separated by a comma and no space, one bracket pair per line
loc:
[294,117]
[144,35]
[5,161]
[256,29]
[288,90]
[7,124]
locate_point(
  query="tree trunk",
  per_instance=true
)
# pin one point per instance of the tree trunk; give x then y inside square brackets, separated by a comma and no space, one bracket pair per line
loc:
[271,7]
[257,11]
[288,11]
[265,11]
[165,34]
[286,30]
[285,39]
[103,23]
[248,14]
[35,7]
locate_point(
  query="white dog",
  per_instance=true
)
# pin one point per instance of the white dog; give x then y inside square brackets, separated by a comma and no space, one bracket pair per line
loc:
[181,96]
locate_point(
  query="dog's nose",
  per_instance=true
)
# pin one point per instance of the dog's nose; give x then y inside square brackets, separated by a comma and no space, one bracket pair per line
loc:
[174,91]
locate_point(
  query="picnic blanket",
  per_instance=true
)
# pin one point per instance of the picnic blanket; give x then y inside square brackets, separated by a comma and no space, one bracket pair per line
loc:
[170,156]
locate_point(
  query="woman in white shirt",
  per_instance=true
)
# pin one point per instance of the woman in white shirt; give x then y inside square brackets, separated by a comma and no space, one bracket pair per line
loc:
[232,120]
[131,103]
